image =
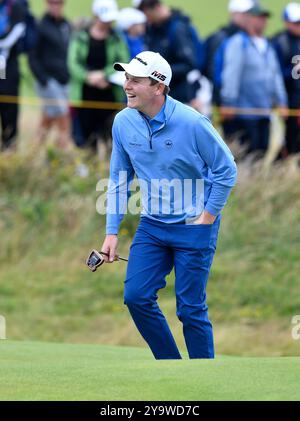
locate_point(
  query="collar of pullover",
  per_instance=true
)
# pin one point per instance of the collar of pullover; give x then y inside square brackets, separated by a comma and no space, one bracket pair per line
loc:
[158,120]
[163,116]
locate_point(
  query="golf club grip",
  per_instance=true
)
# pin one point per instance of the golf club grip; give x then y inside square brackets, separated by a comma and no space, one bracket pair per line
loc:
[117,256]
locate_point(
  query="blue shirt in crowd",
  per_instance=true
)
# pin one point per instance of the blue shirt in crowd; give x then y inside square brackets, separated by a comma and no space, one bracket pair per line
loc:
[251,78]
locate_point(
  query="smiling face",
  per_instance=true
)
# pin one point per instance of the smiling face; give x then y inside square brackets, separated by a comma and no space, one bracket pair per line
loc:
[142,95]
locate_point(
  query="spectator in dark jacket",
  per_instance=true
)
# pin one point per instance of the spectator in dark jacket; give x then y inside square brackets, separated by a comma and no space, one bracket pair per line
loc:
[12,28]
[287,45]
[168,33]
[48,62]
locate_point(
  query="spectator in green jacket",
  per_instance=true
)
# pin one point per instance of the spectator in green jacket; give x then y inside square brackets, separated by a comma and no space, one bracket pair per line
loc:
[92,53]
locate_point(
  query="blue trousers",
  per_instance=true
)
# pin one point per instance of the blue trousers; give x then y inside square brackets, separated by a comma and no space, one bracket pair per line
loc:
[157,248]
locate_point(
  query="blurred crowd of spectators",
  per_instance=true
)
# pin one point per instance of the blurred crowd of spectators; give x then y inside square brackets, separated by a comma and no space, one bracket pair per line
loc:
[237,69]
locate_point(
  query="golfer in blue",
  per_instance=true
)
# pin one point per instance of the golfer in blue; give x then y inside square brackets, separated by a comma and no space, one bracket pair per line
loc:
[186,173]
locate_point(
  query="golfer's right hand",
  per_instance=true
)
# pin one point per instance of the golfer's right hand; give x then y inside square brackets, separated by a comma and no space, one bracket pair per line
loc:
[110,247]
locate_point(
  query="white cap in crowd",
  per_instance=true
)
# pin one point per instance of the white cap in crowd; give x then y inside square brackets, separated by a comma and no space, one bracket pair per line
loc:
[130,16]
[241,6]
[291,12]
[136,3]
[148,64]
[105,10]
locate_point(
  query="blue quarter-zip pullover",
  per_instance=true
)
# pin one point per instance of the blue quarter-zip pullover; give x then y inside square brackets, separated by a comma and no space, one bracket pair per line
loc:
[178,144]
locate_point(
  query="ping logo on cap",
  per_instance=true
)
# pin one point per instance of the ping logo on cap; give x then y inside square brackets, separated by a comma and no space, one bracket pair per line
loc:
[159,76]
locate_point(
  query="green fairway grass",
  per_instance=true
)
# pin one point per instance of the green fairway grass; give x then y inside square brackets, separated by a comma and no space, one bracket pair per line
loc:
[43,371]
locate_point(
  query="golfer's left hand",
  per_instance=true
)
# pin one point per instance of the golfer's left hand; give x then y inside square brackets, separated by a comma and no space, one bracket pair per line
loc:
[205,218]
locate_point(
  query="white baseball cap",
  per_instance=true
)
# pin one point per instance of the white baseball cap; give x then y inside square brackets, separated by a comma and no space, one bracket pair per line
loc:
[291,12]
[130,16]
[105,10]
[148,64]
[241,6]
[136,3]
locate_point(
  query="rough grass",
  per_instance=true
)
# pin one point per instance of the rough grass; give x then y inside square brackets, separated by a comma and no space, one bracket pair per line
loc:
[49,223]
[42,371]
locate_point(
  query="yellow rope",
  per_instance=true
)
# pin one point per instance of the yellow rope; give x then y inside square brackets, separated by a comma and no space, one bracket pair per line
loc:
[22,100]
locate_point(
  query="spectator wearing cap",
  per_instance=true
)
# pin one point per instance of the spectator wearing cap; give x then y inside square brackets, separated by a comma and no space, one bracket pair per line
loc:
[132,22]
[48,63]
[252,79]
[237,11]
[287,45]
[92,53]
[169,33]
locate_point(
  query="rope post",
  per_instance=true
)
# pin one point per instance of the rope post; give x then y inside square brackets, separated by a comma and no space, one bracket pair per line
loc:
[2,327]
